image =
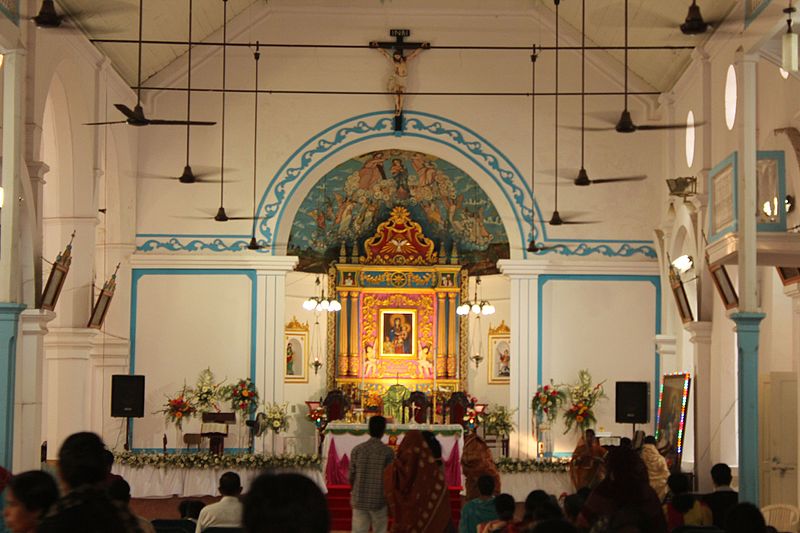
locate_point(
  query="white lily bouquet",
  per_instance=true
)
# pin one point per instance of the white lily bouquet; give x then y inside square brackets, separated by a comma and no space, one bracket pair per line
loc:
[277,416]
[207,392]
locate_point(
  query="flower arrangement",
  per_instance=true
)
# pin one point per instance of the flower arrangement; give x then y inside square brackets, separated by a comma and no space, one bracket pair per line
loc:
[277,416]
[178,408]
[243,396]
[497,420]
[508,465]
[207,460]
[472,419]
[319,417]
[547,400]
[207,393]
[583,397]
[372,401]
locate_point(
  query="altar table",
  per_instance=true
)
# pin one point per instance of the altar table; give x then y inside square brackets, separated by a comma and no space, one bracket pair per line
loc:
[339,439]
[519,485]
[162,482]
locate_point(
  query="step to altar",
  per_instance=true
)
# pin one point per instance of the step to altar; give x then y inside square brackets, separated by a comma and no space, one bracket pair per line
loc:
[341,512]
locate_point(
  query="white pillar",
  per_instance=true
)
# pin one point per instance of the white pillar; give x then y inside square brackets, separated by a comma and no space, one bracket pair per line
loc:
[701,389]
[108,356]
[68,403]
[793,291]
[28,400]
[524,277]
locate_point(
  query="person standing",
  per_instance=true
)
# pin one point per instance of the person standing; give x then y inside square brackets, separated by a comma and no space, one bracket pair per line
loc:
[228,511]
[657,470]
[367,463]
[587,467]
[724,498]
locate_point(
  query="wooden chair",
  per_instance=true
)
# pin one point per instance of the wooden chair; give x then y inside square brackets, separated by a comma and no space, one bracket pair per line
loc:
[192,439]
[456,408]
[418,407]
[781,516]
[336,405]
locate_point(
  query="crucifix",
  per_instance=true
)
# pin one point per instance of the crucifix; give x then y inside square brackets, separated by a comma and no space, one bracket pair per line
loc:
[399,62]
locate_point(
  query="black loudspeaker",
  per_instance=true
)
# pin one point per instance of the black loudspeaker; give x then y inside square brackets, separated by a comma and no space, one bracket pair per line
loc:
[127,396]
[632,400]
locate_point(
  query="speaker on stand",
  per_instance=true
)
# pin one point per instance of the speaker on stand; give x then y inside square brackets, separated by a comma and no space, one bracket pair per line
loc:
[632,399]
[127,400]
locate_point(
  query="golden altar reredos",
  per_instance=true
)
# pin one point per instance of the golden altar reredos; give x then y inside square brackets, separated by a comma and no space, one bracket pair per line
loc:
[398,322]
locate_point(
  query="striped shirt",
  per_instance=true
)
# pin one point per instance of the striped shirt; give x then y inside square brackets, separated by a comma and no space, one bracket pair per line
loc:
[367,462]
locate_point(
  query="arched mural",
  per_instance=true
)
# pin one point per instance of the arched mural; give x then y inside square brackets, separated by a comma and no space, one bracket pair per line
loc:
[349,202]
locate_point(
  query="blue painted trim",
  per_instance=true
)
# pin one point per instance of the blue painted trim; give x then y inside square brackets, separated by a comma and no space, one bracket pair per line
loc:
[544,278]
[216,245]
[138,273]
[195,235]
[780,158]
[12,16]
[9,328]
[749,19]
[732,159]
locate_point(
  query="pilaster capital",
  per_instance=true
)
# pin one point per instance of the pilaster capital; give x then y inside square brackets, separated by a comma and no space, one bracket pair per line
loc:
[33,322]
[699,53]
[531,268]
[700,332]
[666,344]
[37,170]
[69,343]
[792,291]
[264,264]
[109,351]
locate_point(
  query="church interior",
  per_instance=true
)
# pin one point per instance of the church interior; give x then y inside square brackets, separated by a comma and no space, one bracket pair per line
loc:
[242,227]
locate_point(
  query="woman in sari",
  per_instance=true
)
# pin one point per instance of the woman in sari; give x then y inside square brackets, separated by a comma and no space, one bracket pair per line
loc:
[415,488]
[587,467]
[476,462]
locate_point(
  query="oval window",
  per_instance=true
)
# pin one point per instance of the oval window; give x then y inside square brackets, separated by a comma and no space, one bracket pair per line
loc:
[689,139]
[730,97]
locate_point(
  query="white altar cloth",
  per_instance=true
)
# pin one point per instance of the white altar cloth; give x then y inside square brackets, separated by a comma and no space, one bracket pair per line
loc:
[154,482]
[519,485]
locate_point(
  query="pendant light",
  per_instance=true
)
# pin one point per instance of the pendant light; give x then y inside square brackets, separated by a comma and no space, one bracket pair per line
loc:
[789,43]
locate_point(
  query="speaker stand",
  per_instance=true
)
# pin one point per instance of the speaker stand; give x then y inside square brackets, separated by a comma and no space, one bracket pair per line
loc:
[127,446]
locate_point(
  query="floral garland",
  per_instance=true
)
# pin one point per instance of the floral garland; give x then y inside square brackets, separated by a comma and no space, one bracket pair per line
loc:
[507,465]
[547,400]
[583,397]
[497,420]
[207,393]
[277,416]
[178,408]
[243,396]
[319,417]
[207,460]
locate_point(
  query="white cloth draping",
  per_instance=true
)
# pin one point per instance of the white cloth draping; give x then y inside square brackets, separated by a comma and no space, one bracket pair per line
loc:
[519,485]
[153,482]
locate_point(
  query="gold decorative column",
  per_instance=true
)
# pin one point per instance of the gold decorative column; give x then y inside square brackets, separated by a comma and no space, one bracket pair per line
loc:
[441,337]
[451,338]
[355,345]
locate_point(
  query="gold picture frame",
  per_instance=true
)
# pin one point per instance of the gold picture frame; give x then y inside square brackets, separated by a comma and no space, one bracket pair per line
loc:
[499,361]
[297,354]
[398,333]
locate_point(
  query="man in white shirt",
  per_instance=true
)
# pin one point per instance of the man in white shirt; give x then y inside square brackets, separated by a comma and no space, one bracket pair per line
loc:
[228,511]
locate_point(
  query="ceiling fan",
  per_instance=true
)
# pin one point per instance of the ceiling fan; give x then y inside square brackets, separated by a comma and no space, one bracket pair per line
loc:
[49,18]
[582,180]
[136,116]
[694,23]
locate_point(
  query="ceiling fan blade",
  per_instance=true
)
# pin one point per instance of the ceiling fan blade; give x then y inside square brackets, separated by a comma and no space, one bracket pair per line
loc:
[619,179]
[574,222]
[125,110]
[534,248]
[649,127]
[589,128]
[245,218]
[161,122]
[104,123]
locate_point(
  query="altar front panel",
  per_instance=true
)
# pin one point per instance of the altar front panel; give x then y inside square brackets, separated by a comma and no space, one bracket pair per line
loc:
[340,439]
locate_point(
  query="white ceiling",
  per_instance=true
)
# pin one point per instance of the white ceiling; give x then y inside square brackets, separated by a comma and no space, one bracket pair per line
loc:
[652,22]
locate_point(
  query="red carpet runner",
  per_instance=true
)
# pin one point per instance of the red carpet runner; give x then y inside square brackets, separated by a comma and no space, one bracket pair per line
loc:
[341,514]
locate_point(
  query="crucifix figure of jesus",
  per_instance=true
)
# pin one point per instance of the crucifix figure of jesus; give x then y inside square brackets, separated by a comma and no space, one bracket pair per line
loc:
[394,52]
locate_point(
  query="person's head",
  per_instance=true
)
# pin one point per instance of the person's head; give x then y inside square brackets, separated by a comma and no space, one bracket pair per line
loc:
[554,526]
[377,426]
[678,483]
[230,484]
[28,495]
[190,509]
[119,491]
[650,440]
[504,505]
[626,469]
[573,504]
[589,436]
[433,443]
[397,322]
[284,503]
[108,456]
[626,442]
[721,474]
[548,510]
[535,499]
[486,485]
[744,518]
[81,460]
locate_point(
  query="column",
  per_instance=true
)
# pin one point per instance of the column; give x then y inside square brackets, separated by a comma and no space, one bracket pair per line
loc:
[36,172]
[452,340]
[700,337]
[356,365]
[109,355]
[67,402]
[441,343]
[9,325]
[524,340]
[29,400]
[748,318]
[793,291]
[271,291]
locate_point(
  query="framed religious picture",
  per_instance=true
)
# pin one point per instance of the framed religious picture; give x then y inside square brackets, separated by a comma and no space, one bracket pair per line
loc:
[725,288]
[398,332]
[100,307]
[723,197]
[57,277]
[499,362]
[297,352]
[681,300]
[671,421]
[789,275]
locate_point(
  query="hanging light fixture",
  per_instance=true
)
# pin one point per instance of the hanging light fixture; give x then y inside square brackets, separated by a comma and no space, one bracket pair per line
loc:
[475,344]
[789,43]
[477,307]
[321,303]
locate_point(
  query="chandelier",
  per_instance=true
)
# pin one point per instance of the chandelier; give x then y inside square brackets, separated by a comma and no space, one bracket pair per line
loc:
[477,307]
[321,303]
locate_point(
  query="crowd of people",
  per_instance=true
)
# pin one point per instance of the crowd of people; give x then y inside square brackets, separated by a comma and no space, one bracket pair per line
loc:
[625,489]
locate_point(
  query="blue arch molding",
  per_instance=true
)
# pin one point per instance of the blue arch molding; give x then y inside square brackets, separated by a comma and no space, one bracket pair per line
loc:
[330,141]
[654,280]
